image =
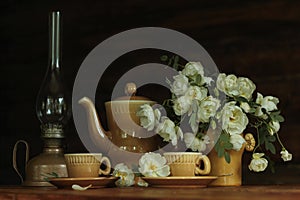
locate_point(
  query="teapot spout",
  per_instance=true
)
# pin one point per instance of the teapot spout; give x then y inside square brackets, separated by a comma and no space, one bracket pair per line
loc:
[93,120]
[97,132]
[103,139]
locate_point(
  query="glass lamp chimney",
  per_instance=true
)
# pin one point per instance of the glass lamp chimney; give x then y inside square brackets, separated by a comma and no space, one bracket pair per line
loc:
[53,106]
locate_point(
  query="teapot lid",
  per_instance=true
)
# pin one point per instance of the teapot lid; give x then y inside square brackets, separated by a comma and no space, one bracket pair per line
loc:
[130,91]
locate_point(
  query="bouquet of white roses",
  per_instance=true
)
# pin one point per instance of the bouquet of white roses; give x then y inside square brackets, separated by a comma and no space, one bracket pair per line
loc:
[224,108]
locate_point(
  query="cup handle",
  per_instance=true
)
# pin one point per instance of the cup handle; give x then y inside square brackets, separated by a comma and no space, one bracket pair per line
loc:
[15,166]
[207,165]
[108,166]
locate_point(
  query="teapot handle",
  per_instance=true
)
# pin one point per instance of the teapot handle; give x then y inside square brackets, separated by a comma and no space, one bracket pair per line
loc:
[15,157]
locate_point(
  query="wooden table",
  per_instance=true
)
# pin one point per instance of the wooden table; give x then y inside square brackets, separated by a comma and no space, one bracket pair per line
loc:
[266,192]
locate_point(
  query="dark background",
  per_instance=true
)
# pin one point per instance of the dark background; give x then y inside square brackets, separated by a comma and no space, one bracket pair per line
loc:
[258,39]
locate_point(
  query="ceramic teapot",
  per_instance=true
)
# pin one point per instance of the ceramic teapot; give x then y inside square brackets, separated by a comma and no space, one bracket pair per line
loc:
[124,130]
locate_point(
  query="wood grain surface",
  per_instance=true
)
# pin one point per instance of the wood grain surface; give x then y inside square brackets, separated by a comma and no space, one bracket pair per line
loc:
[274,192]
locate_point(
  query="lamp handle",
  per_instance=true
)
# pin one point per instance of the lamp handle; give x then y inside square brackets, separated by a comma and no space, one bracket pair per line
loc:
[15,157]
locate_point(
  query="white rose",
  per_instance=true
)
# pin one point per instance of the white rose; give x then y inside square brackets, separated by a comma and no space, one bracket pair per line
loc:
[153,165]
[188,140]
[274,127]
[126,175]
[182,105]
[180,85]
[157,115]
[228,84]
[237,141]
[258,164]
[195,92]
[245,87]
[285,155]
[245,106]
[147,117]
[179,132]
[192,69]
[233,119]
[194,143]
[195,69]
[166,129]
[213,124]
[269,103]
[208,108]
[208,80]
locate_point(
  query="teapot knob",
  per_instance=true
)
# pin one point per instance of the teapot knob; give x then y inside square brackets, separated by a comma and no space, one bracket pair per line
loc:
[130,89]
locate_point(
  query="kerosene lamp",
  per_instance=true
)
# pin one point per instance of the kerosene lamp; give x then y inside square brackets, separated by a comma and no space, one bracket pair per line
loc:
[53,109]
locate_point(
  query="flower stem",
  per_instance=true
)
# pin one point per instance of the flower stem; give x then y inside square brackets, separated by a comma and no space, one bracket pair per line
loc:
[277,136]
[258,139]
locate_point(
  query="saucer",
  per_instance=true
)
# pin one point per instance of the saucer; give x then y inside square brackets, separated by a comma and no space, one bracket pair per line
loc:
[97,182]
[179,181]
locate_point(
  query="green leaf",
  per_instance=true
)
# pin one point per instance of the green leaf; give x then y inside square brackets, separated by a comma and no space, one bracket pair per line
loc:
[252,110]
[164,58]
[241,99]
[276,112]
[54,174]
[227,157]
[228,145]
[269,146]
[221,152]
[271,138]
[275,116]
[262,137]
[198,79]
[175,63]
[224,137]
[279,118]
[170,61]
